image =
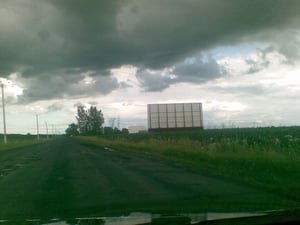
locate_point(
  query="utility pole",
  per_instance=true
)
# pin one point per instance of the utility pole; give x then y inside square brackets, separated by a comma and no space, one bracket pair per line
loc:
[53,134]
[4,120]
[47,130]
[37,127]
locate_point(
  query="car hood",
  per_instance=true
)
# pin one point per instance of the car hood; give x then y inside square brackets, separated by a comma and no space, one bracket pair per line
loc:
[139,218]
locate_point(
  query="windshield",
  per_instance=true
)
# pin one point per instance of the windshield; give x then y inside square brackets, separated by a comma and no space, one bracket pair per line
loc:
[147,108]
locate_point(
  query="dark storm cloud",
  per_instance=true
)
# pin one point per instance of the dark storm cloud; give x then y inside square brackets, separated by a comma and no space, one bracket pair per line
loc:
[171,30]
[42,39]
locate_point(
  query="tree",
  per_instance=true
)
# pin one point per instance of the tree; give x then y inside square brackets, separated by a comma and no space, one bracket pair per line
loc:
[95,120]
[125,131]
[72,130]
[108,130]
[90,120]
[82,119]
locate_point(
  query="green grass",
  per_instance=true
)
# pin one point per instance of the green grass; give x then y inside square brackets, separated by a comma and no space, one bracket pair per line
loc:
[267,158]
[19,141]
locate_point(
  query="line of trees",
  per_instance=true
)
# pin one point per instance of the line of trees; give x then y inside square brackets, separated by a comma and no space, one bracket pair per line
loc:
[90,122]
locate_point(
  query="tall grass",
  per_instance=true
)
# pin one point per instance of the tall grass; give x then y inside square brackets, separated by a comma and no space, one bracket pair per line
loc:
[266,158]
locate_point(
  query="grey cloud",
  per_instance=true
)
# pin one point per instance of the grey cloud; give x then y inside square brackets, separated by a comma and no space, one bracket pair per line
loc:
[93,103]
[42,38]
[100,85]
[105,85]
[48,86]
[67,85]
[288,44]
[124,85]
[261,62]
[248,90]
[251,90]
[10,99]
[151,82]
[201,70]
[55,107]
[77,104]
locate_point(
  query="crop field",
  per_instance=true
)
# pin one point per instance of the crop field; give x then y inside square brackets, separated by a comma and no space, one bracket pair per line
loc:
[268,158]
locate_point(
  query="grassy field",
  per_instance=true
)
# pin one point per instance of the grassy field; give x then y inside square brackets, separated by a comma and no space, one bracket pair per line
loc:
[268,158]
[18,141]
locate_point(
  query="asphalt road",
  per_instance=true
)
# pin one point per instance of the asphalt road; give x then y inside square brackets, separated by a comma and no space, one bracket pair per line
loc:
[63,178]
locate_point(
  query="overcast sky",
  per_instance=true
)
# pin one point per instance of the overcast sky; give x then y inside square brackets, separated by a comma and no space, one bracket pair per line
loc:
[240,58]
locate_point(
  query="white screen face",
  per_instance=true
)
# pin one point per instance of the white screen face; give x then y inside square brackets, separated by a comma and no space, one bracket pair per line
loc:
[179,115]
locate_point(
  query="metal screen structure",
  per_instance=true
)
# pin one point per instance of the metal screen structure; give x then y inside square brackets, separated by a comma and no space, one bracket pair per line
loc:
[175,116]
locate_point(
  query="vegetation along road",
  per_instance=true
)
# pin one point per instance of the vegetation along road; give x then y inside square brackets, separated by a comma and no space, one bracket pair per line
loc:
[66,178]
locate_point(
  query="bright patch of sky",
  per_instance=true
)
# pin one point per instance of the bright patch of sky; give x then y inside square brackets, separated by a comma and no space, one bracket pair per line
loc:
[222,52]
[12,90]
